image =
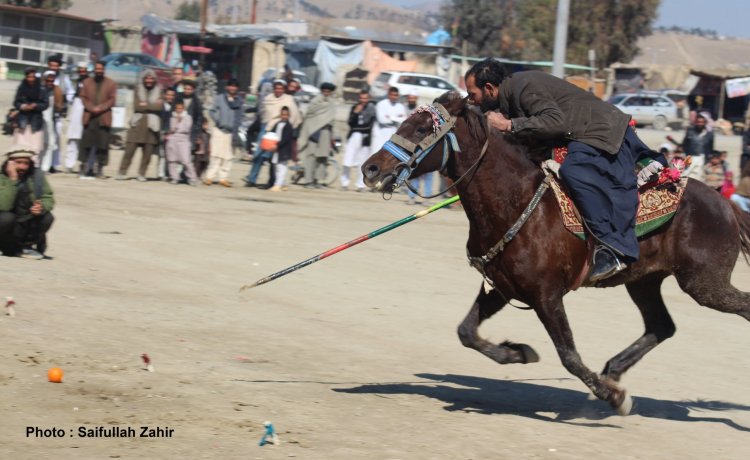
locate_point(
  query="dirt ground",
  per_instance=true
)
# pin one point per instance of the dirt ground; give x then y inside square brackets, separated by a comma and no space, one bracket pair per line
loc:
[355,357]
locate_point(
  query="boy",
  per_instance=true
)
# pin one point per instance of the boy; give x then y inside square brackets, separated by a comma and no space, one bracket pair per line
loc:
[283,153]
[178,146]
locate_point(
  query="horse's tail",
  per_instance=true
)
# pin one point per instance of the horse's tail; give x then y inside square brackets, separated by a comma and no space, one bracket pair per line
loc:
[743,219]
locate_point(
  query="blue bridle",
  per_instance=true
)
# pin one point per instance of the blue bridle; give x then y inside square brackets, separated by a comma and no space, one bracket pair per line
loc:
[411,155]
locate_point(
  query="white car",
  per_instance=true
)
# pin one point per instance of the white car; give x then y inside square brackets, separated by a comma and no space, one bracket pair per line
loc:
[426,87]
[656,110]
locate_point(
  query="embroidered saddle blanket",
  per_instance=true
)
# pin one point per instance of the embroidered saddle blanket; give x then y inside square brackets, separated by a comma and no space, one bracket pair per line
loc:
[657,203]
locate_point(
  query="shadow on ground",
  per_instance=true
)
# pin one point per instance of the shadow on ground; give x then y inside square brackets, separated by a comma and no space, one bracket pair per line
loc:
[544,402]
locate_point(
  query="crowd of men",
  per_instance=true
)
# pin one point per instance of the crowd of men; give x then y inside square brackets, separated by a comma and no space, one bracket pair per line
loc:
[194,145]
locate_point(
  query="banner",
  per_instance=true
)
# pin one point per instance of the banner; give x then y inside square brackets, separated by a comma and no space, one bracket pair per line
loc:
[738,87]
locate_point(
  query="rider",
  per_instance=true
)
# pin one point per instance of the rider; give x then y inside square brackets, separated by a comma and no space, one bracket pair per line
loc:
[599,170]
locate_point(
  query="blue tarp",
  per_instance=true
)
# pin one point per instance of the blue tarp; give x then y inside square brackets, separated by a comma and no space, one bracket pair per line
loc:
[440,37]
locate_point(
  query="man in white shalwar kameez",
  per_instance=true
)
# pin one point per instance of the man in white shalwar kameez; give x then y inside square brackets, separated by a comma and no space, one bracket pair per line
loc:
[75,120]
[390,113]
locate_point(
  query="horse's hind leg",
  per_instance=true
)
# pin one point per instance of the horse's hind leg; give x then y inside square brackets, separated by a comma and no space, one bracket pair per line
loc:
[486,305]
[646,294]
[717,292]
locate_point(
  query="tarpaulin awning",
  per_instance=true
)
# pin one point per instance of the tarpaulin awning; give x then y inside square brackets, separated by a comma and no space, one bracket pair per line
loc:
[390,46]
[163,26]
[330,56]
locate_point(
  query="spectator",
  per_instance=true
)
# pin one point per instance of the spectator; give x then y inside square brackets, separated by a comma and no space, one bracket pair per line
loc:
[193,107]
[270,114]
[315,136]
[741,196]
[411,102]
[145,125]
[50,157]
[227,114]
[283,152]
[202,151]
[390,114]
[31,101]
[178,146]
[68,91]
[98,95]
[714,172]
[698,144]
[170,95]
[357,150]
[178,76]
[294,89]
[75,120]
[26,200]
[745,147]
[62,81]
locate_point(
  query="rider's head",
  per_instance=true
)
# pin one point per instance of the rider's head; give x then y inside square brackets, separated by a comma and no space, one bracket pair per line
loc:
[483,83]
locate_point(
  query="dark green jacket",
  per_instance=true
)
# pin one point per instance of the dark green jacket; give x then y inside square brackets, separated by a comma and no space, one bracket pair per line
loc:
[9,190]
[544,107]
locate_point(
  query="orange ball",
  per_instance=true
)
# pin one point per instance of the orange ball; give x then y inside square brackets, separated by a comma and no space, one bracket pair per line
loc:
[55,375]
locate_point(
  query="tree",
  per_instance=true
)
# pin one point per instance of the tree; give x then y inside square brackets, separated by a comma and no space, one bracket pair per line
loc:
[189,11]
[55,5]
[526,29]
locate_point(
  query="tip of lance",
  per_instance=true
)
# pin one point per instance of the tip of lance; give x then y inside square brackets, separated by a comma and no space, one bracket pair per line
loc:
[248,286]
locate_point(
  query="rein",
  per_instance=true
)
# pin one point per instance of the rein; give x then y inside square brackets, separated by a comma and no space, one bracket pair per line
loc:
[411,154]
[480,263]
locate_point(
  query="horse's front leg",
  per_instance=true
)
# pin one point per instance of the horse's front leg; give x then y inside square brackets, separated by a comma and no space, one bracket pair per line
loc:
[486,305]
[552,314]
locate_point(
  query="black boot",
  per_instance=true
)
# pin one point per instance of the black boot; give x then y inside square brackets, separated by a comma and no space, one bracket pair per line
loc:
[606,264]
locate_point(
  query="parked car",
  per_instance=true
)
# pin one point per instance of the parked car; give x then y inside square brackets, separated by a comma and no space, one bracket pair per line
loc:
[124,68]
[426,87]
[656,110]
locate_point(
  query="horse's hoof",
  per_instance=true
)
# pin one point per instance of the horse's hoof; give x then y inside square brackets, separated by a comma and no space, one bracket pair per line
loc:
[529,355]
[626,405]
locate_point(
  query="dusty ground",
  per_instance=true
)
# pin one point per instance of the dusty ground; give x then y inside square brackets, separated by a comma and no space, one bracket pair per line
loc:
[355,357]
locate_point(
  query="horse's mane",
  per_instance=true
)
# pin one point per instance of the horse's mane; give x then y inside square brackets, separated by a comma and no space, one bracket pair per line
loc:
[478,128]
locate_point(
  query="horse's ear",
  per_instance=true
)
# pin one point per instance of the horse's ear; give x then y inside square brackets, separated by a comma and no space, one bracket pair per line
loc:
[453,102]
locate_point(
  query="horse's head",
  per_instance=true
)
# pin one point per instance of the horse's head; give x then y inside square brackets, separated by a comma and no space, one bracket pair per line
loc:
[423,143]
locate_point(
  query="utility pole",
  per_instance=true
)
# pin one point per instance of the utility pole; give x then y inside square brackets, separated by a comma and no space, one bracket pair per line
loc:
[204,20]
[252,11]
[592,64]
[561,38]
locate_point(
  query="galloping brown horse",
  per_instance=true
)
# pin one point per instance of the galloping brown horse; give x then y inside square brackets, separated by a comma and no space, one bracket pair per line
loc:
[541,264]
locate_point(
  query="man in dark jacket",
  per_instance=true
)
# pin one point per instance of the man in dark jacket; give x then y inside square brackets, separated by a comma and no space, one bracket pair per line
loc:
[698,144]
[599,170]
[26,200]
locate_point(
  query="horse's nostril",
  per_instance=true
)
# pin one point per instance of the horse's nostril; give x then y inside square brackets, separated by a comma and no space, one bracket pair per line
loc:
[372,171]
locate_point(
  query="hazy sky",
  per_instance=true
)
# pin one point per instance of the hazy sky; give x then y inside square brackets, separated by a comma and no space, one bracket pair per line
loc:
[726,17]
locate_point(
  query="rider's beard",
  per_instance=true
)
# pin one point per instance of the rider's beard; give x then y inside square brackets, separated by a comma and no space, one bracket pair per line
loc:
[488,103]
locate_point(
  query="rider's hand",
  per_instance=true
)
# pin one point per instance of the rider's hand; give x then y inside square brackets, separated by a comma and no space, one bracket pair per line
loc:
[649,173]
[498,121]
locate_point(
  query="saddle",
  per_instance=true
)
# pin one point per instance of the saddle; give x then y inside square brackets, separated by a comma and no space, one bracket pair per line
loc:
[658,201]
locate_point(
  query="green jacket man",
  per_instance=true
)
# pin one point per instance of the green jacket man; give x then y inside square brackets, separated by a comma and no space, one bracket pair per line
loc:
[26,200]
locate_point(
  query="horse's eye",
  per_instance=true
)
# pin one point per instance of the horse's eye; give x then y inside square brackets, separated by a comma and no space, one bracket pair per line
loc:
[421,131]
